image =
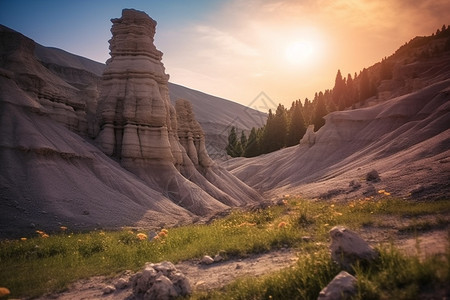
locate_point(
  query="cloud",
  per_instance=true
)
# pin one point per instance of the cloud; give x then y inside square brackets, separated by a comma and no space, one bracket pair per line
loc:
[243,42]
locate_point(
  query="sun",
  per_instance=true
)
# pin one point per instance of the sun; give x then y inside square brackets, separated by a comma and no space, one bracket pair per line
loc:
[300,52]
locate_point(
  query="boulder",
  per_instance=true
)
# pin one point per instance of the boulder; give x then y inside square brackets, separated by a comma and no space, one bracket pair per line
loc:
[373,176]
[347,248]
[343,286]
[160,281]
[309,138]
[161,289]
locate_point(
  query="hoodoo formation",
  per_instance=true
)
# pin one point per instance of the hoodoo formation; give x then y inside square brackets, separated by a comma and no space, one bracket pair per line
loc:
[138,124]
[90,152]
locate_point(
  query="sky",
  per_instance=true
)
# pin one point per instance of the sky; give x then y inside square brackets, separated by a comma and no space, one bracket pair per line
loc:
[238,49]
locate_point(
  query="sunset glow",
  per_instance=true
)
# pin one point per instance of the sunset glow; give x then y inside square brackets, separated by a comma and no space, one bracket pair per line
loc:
[238,49]
[300,52]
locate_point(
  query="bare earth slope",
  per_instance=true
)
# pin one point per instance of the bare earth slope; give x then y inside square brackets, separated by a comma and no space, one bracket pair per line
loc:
[405,139]
[56,168]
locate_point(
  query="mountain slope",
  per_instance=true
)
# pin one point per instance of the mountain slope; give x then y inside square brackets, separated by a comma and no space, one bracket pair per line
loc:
[405,138]
[52,171]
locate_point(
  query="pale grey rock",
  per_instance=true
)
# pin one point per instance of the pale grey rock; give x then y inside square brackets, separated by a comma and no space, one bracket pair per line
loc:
[207,260]
[109,289]
[160,281]
[218,258]
[161,289]
[121,284]
[142,281]
[181,284]
[165,267]
[373,176]
[309,138]
[347,248]
[343,286]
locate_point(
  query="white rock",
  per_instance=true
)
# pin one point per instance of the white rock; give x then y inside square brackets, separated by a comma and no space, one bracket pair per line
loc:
[162,289]
[109,289]
[144,280]
[343,286]
[347,247]
[181,284]
[121,284]
[207,260]
[218,258]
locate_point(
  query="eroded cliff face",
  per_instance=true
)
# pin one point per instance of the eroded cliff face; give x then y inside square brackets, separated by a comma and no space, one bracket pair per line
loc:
[140,127]
[63,102]
[89,152]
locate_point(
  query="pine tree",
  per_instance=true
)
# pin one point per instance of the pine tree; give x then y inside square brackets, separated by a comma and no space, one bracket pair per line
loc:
[320,111]
[234,148]
[252,146]
[243,141]
[338,91]
[297,127]
[364,86]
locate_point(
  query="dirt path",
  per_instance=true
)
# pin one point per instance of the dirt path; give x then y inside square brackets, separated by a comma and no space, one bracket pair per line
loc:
[206,277]
[202,277]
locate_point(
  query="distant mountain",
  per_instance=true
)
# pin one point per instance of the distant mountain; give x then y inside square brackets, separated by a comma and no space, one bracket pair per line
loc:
[403,132]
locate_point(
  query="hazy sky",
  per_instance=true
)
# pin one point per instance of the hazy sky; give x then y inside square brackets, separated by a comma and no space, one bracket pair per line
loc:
[238,49]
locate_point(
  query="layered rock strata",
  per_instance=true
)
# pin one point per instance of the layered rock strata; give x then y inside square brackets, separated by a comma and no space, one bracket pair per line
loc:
[138,124]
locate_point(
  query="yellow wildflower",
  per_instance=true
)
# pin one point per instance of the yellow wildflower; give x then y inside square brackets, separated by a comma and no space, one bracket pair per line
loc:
[381,191]
[141,236]
[23,239]
[101,233]
[44,235]
[4,292]
[332,205]
[40,232]
[162,234]
[165,230]
[282,224]
[63,228]
[387,194]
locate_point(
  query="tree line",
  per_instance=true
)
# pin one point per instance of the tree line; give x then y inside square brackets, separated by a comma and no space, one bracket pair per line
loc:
[285,127]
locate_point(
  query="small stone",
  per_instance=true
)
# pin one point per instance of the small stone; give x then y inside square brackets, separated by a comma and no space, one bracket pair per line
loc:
[238,266]
[373,176]
[347,247]
[343,286]
[181,284]
[218,258]
[165,267]
[162,289]
[121,284]
[109,289]
[207,260]
[306,238]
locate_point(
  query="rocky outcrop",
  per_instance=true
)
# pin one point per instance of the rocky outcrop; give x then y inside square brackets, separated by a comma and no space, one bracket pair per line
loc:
[61,101]
[343,286]
[52,106]
[140,128]
[160,281]
[348,248]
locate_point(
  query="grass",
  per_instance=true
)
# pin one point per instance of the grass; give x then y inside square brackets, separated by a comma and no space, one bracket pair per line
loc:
[49,262]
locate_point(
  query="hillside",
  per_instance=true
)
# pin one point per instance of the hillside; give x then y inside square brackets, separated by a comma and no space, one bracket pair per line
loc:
[403,134]
[56,167]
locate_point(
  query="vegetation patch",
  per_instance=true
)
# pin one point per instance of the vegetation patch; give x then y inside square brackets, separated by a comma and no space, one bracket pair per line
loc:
[37,265]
